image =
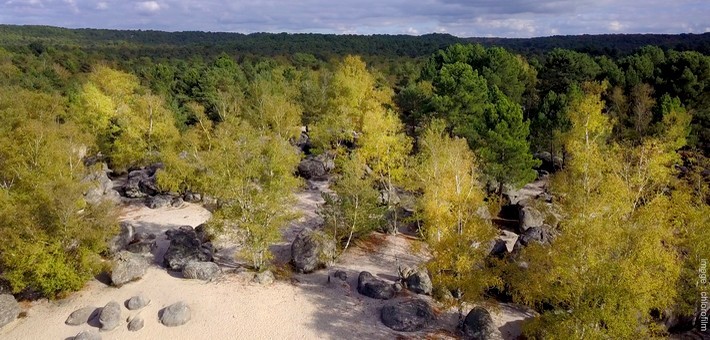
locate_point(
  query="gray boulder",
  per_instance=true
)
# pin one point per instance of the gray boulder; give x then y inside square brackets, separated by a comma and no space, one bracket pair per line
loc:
[110,316]
[407,316]
[316,167]
[341,275]
[136,324]
[419,282]
[191,197]
[82,316]
[479,325]
[137,302]
[158,201]
[374,288]
[88,335]
[120,241]
[264,278]
[9,309]
[206,271]
[541,235]
[127,267]
[176,314]
[312,250]
[143,243]
[498,248]
[100,188]
[185,247]
[529,218]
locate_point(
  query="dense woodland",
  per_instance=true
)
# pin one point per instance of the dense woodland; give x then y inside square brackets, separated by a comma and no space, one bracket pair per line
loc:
[623,130]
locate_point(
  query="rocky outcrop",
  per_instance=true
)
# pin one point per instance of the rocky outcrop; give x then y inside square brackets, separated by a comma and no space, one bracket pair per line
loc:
[110,316]
[142,182]
[127,267]
[137,302]
[206,271]
[374,288]
[479,325]
[185,247]
[529,218]
[542,235]
[418,281]
[407,316]
[311,250]
[316,167]
[9,309]
[100,187]
[176,314]
[82,316]
[340,275]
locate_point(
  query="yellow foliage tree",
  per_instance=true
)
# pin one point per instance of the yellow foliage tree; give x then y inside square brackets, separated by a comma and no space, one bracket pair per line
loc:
[447,175]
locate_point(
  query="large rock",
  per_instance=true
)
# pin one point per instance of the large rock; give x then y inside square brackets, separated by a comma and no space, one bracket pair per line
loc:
[158,201]
[264,278]
[479,325]
[136,324]
[541,235]
[143,243]
[529,218]
[142,182]
[419,282]
[127,267]
[185,247]
[9,309]
[82,316]
[316,167]
[498,248]
[176,314]
[110,316]
[206,271]
[374,288]
[100,187]
[137,302]
[312,250]
[407,316]
[89,334]
[120,241]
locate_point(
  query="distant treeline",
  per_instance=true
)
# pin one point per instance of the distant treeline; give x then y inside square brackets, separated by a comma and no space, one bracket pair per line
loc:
[160,44]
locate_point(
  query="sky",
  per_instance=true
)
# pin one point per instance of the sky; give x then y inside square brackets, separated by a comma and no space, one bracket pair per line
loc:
[464,18]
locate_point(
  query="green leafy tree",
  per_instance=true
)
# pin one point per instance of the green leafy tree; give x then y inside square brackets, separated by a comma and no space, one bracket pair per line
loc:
[52,238]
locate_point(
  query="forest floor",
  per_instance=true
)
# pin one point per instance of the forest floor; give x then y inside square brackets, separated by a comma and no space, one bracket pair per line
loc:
[296,306]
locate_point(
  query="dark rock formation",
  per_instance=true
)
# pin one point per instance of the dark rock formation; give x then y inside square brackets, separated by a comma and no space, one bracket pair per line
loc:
[371,287]
[407,316]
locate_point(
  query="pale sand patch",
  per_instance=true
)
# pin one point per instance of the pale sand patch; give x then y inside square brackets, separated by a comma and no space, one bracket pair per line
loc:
[304,307]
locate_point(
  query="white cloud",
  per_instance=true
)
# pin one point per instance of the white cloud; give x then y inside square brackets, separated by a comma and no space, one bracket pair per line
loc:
[148,6]
[101,6]
[616,26]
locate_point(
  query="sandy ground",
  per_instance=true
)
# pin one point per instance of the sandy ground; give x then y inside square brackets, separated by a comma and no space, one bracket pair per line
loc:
[299,306]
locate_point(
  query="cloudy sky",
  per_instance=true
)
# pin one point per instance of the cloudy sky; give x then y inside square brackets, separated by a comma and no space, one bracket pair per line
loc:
[512,18]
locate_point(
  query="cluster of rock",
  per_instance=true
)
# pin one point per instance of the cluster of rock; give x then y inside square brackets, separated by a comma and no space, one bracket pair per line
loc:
[141,183]
[316,168]
[193,247]
[110,316]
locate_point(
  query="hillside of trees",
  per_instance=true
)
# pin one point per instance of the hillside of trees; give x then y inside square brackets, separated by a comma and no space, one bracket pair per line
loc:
[324,46]
[619,126]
